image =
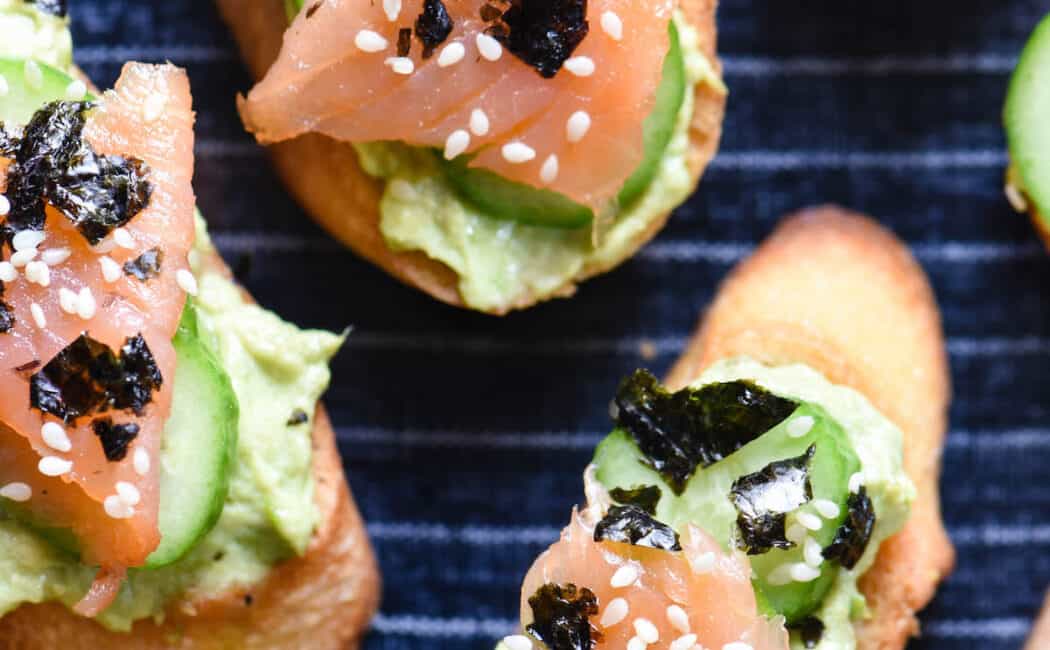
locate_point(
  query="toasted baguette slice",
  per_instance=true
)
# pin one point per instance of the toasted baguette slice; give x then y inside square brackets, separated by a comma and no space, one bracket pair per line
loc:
[324,176]
[838,292]
[323,600]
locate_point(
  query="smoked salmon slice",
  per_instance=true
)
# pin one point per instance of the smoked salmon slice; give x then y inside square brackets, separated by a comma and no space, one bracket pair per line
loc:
[89,311]
[548,93]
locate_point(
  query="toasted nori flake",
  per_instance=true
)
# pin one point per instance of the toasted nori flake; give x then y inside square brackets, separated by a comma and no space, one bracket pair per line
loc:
[632,525]
[298,416]
[55,7]
[404,41]
[543,33]
[8,143]
[313,9]
[433,26]
[810,630]
[145,266]
[560,616]
[680,431]
[763,499]
[644,496]
[115,438]
[490,13]
[87,377]
[853,535]
[28,365]
[7,314]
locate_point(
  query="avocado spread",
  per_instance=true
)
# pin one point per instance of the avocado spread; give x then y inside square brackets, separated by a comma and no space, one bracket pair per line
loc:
[275,370]
[503,263]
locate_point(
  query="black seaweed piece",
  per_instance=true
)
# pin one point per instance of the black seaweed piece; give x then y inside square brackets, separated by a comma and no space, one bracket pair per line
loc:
[54,7]
[489,13]
[433,26]
[631,525]
[297,417]
[560,616]
[763,499]
[145,266]
[853,535]
[543,33]
[694,427]
[404,41]
[644,496]
[313,9]
[7,314]
[810,630]
[115,438]
[87,377]
[8,143]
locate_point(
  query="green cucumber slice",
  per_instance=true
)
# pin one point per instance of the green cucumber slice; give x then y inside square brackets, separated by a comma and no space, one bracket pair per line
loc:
[1027,118]
[705,500]
[23,98]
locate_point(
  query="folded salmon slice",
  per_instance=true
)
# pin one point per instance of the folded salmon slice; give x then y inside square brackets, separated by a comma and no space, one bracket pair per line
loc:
[92,472]
[577,132]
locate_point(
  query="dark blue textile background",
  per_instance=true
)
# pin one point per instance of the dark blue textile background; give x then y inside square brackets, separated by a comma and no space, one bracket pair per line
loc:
[464,436]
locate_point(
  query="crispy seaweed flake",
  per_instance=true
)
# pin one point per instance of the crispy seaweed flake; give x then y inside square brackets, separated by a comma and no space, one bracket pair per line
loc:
[115,438]
[7,314]
[297,417]
[54,7]
[313,9]
[145,266]
[694,427]
[644,496]
[543,33]
[853,535]
[810,630]
[560,616]
[8,143]
[631,525]
[490,12]
[404,41]
[87,377]
[433,26]
[764,498]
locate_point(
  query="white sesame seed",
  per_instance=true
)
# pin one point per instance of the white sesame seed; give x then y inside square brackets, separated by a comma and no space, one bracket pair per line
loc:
[128,493]
[488,47]
[646,631]
[140,461]
[369,41]
[153,107]
[110,269]
[479,122]
[856,481]
[123,238]
[549,170]
[39,273]
[796,533]
[116,508]
[737,645]
[75,90]
[636,644]
[581,66]
[809,520]
[54,436]
[683,642]
[4,86]
[624,576]
[33,75]
[55,256]
[1013,195]
[811,552]
[21,258]
[456,143]
[780,575]
[5,205]
[799,426]
[16,492]
[451,54]
[186,281]
[8,272]
[401,64]
[67,300]
[38,315]
[577,126]
[612,25]
[105,246]
[86,304]
[392,9]
[825,508]
[702,563]
[517,642]
[54,466]
[518,152]
[802,572]
[679,619]
[27,239]
[614,612]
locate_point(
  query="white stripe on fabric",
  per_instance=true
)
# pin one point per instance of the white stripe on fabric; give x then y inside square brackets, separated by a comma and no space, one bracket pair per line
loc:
[750,66]
[119,54]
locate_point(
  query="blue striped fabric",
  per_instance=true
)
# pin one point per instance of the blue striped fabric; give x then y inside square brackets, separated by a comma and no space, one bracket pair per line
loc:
[464,436]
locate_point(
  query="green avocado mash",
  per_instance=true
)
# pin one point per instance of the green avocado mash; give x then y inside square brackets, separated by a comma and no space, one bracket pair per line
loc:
[276,370]
[501,263]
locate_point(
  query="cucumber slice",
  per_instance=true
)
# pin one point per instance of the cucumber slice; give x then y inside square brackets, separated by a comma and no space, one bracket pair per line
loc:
[705,500]
[22,98]
[1026,119]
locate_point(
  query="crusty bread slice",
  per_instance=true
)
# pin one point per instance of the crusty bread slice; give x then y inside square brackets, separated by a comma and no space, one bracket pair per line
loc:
[838,292]
[323,600]
[325,177]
